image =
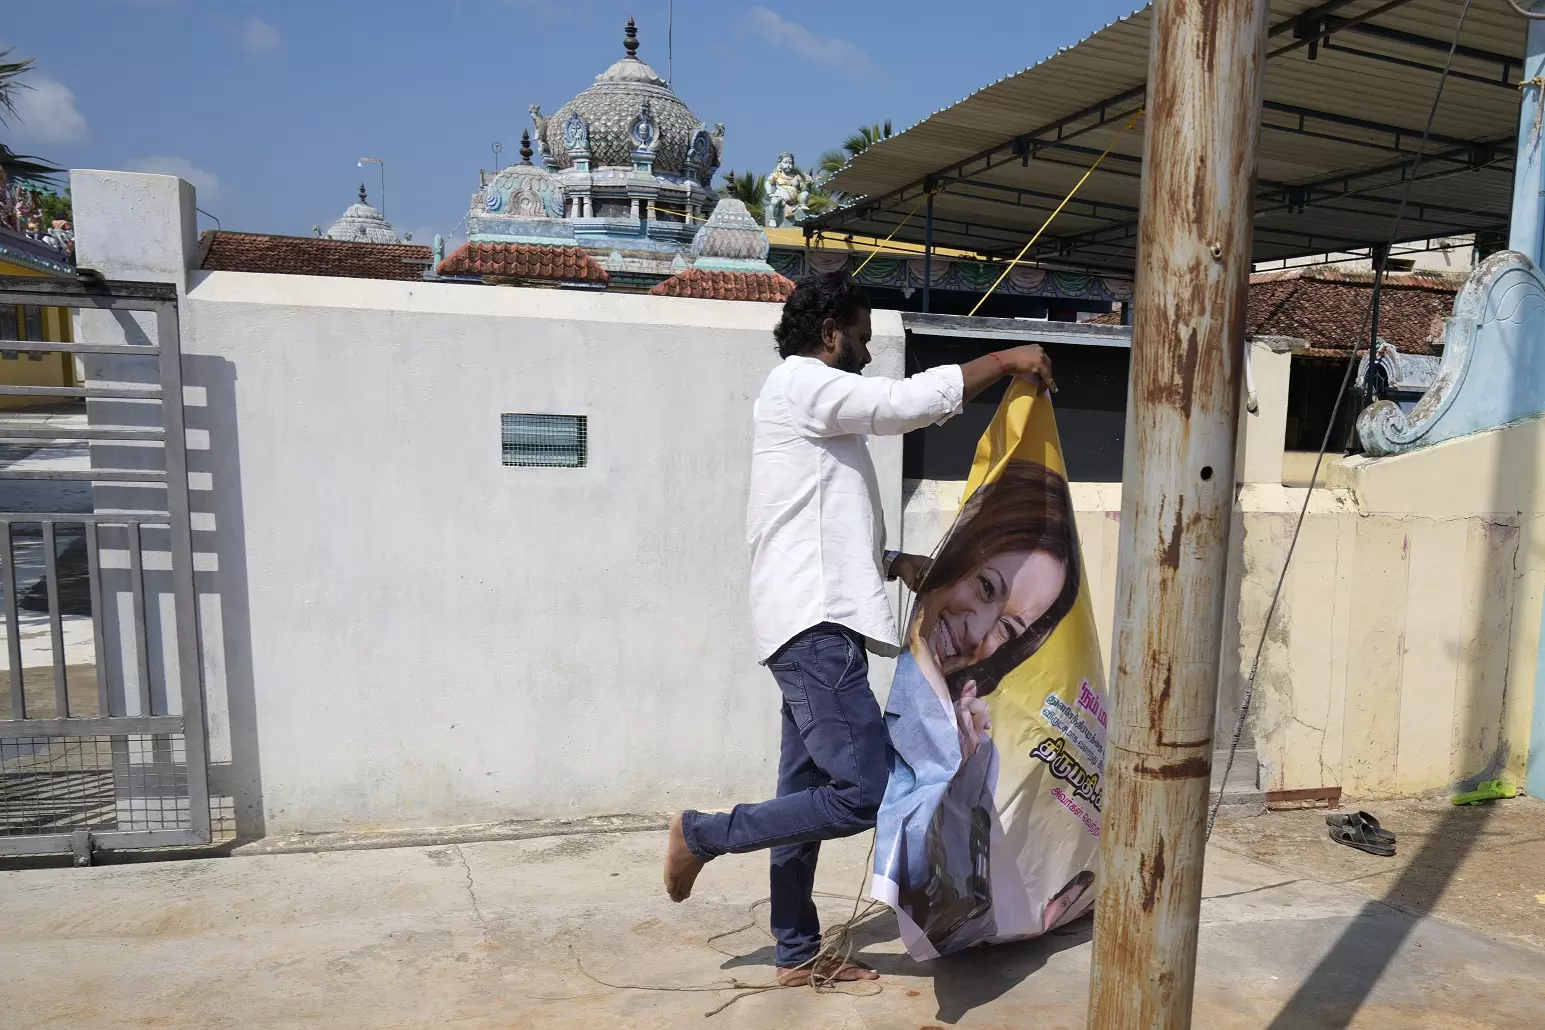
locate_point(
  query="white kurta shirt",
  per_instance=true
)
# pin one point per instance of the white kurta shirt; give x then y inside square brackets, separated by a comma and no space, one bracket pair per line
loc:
[813,519]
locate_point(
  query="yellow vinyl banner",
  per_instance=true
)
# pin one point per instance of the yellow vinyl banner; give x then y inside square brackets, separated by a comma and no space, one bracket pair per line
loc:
[990,825]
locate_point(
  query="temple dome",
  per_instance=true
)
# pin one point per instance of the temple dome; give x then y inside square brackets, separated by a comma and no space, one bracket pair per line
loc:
[609,109]
[521,191]
[362,223]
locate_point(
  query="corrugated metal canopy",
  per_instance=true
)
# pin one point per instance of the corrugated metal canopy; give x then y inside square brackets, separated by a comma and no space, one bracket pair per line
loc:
[1348,87]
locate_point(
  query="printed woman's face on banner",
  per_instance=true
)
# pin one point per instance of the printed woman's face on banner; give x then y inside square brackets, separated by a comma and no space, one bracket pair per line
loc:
[1002,577]
[1000,599]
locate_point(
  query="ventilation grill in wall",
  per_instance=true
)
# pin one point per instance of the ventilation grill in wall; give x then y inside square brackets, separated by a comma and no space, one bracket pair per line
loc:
[553,441]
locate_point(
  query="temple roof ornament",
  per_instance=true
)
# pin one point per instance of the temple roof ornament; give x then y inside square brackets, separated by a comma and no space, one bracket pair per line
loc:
[521,191]
[731,240]
[362,223]
[629,97]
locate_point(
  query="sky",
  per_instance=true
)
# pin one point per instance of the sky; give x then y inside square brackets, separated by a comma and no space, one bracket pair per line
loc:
[266,106]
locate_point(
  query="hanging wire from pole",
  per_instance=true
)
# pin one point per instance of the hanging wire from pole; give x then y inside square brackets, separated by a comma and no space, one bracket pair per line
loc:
[1335,412]
[1049,218]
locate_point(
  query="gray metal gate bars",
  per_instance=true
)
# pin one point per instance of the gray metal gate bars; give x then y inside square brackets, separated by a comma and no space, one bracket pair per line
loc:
[102,746]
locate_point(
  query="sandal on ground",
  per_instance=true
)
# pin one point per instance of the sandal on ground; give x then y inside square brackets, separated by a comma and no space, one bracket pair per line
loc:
[1361,831]
[1369,824]
[1487,790]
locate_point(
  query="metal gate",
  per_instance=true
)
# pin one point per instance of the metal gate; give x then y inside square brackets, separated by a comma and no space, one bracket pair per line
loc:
[117,759]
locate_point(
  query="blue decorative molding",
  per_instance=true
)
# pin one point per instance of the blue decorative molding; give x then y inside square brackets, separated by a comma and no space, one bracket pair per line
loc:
[1493,367]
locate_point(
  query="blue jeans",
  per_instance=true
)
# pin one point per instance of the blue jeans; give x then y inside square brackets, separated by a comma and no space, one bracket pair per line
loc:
[831,776]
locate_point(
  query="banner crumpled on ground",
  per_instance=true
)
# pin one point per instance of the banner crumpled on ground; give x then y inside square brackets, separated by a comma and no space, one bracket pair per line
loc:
[990,826]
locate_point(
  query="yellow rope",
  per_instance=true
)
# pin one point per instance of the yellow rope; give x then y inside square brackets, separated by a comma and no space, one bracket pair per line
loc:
[894,231]
[1133,121]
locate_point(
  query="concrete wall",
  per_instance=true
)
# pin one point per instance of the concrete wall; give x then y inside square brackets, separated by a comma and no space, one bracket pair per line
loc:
[400,631]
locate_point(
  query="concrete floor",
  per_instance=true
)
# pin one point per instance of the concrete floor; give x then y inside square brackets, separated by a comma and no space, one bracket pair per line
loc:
[485,935]
[1480,866]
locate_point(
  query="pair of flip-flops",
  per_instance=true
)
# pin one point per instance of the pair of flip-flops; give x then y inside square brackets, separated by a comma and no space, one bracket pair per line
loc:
[1361,831]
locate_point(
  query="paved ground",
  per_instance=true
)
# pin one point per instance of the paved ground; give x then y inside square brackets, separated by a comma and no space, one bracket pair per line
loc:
[490,935]
[1481,866]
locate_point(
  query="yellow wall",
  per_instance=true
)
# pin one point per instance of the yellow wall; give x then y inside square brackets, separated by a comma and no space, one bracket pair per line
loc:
[37,369]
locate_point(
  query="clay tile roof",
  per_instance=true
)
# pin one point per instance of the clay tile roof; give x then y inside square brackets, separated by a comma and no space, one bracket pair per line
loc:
[310,255]
[721,285]
[524,261]
[1326,307]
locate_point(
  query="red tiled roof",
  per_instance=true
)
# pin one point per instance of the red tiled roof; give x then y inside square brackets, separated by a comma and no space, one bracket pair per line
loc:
[524,261]
[311,255]
[1326,307]
[721,285]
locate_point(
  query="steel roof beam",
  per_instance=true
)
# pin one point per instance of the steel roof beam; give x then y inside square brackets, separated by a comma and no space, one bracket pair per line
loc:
[1401,62]
[1367,124]
[1336,25]
[1276,189]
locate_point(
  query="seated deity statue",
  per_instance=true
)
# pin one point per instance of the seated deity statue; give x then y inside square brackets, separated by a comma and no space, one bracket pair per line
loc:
[786,193]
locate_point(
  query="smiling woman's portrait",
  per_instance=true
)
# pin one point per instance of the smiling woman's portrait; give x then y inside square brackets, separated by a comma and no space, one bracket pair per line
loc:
[1002,580]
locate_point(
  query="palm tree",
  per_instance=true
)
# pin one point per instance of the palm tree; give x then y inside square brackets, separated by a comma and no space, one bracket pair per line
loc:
[745,187]
[830,163]
[866,137]
[833,161]
[13,166]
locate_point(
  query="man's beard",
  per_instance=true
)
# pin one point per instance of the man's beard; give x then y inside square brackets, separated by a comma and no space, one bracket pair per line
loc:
[847,358]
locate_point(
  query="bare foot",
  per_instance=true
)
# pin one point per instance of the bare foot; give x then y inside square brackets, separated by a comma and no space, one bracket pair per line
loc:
[830,968]
[681,866]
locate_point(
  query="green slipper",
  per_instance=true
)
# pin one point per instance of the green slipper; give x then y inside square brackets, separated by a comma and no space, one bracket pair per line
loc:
[1487,790]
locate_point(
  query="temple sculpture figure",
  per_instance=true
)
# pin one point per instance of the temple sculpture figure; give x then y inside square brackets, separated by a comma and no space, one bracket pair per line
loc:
[786,194]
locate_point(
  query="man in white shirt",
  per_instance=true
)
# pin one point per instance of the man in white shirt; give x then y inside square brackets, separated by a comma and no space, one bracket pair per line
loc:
[818,572]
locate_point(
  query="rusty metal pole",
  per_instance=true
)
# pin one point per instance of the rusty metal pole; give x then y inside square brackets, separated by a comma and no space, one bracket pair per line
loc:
[1205,65]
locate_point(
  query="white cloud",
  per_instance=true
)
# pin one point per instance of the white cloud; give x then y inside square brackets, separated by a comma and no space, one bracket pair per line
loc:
[46,112]
[259,37]
[207,183]
[788,35]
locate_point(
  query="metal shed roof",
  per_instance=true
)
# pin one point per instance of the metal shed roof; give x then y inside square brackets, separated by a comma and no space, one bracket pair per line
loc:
[1347,92]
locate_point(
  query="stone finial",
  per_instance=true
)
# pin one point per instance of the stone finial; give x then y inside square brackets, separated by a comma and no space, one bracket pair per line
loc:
[630,39]
[731,240]
[525,147]
[362,193]
[729,183]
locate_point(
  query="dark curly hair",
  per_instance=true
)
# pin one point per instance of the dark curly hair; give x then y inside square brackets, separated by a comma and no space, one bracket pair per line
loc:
[813,301]
[1027,508]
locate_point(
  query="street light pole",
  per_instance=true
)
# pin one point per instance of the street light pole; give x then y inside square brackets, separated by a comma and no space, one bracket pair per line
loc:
[377,161]
[1193,270]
